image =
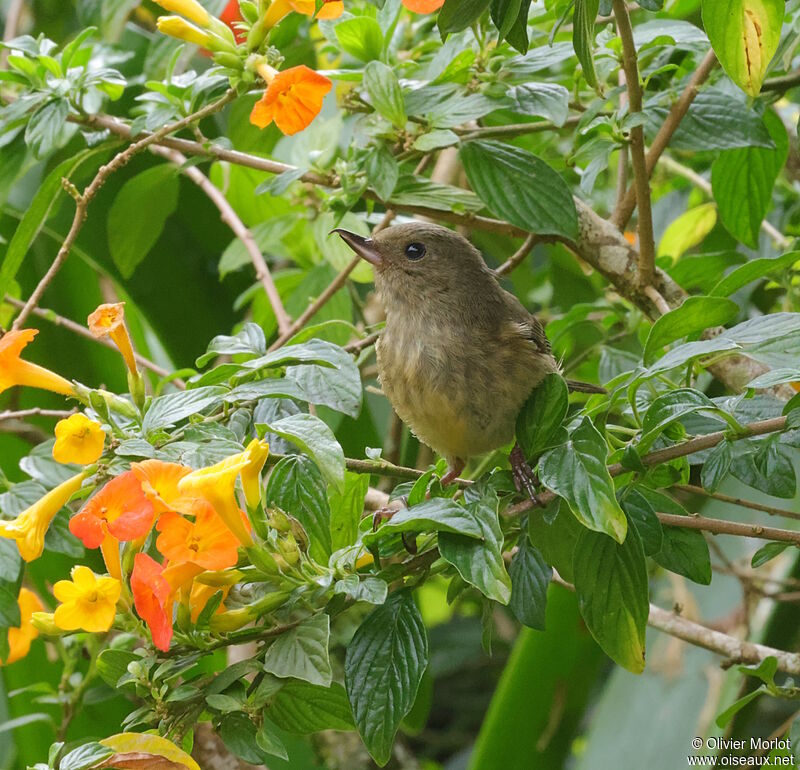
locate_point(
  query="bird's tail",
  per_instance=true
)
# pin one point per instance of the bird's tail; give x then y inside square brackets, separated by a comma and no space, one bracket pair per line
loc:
[584,387]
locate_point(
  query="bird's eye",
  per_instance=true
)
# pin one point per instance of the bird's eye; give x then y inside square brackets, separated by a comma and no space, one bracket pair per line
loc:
[415,251]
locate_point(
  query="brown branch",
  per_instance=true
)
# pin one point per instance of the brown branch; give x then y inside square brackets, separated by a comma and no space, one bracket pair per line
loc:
[782,82]
[622,213]
[231,218]
[517,257]
[735,650]
[641,177]
[771,510]
[59,320]
[723,527]
[515,129]
[83,200]
[23,414]
[359,345]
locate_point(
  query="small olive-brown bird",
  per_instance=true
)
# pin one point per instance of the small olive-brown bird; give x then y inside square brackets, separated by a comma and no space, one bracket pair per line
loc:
[459,355]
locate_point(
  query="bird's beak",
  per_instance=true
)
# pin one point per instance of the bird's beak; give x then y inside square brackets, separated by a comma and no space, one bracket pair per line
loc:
[364,247]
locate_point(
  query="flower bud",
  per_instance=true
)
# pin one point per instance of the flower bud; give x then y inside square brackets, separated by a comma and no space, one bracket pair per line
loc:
[175,26]
[43,622]
[191,9]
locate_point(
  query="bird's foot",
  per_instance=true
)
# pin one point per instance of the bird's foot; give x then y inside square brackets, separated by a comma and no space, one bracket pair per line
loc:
[453,470]
[525,478]
[387,511]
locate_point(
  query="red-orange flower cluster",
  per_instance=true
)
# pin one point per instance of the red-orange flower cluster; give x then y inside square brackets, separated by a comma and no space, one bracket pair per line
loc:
[292,100]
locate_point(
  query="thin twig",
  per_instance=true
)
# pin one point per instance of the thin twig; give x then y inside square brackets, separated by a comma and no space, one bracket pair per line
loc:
[782,83]
[518,256]
[641,178]
[83,200]
[231,218]
[59,320]
[516,129]
[735,650]
[622,213]
[723,527]
[771,510]
[703,184]
[359,345]
[23,414]
[660,303]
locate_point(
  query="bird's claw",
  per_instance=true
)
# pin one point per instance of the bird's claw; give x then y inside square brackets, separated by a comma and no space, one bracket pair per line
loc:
[525,478]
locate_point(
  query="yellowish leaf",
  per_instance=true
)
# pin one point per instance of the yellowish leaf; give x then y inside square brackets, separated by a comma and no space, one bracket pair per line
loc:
[137,751]
[688,230]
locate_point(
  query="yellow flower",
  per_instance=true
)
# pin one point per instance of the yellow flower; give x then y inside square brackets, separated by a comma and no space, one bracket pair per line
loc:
[109,319]
[191,9]
[257,452]
[78,440]
[20,638]
[217,485]
[175,26]
[30,527]
[15,371]
[87,601]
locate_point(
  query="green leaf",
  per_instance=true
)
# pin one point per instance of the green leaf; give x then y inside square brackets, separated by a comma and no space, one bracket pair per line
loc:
[417,191]
[744,35]
[315,438]
[692,317]
[249,340]
[530,579]
[643,517]
[112,665]
[689,229]
[238,733]
[47,128]
[752,271]
[168,410]
[149,198]
[456,15]
[583,36]
[539,420]
[555,532]
[546,100]
[724,718]
[504,14]
[480,563]
[361,37]
[382,172]
[302,652]
[611,583]
[384,90]
[346,507]
[36,215]
[383,667]
[433,140]
[86,756]
[742,182]
[717,120]
[520,188]
[437,515]
[577,472]
[268,740]
[685,552]
[9,608]
[668,408]
[296,486]
[716,466]
[304,708]
[767,553]
[369,589]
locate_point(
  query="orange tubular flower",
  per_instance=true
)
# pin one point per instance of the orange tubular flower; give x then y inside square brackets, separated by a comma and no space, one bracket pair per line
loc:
[88,601]
[423,6]
[207,542]
[152,599]
[293,98]
[119,509]
[78,440]
[216,484]
[30,527]
[200,596]
[15,371]
[109,320]
[20,637]
[332,9]
[159,482]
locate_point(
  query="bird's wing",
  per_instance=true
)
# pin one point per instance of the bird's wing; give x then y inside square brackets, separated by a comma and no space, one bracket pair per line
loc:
[523,324]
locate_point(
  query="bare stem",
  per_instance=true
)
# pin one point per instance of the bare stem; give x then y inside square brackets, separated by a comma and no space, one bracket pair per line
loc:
[623,212]
[641,178]
[231,218]
[771,510]
[517,257]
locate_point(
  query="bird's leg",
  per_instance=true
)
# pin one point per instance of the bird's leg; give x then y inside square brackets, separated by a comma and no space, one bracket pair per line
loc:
[454,468]
[524,476]
[387,511]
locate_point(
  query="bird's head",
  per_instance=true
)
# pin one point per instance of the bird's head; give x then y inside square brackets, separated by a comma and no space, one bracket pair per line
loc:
[418,262]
